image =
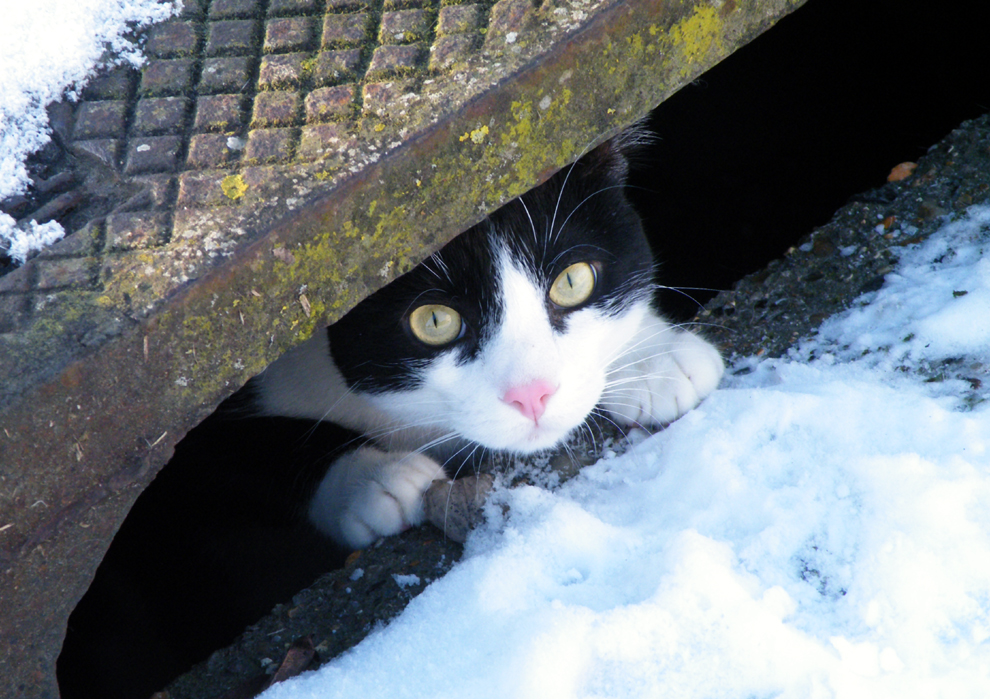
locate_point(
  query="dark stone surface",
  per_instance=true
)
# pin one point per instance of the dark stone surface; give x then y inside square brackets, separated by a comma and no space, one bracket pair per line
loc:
[173,40]
[226,74]
[390,61]
[344,31]
[159,116]
[219,113]
[333,67]
[289,34]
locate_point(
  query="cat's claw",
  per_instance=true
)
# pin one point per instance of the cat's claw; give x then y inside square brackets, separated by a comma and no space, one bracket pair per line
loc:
[664,375]
[369,493]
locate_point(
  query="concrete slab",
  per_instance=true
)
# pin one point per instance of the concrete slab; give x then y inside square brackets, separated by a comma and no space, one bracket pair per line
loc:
[273,163]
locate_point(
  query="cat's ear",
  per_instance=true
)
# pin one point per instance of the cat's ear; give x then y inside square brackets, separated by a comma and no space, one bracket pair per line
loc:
[611,159]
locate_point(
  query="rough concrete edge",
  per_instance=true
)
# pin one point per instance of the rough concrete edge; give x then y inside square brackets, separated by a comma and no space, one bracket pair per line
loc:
[183,353]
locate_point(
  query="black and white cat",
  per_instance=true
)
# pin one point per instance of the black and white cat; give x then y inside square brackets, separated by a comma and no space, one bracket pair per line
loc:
[506,339]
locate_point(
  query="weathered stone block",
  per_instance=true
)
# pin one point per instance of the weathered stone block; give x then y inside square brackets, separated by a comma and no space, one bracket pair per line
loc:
[225,9]
[405,26]
[315,141]
[152,154]
[161,115]
[72,272]
[225,74]
[114,85]
[448,51]
[275,109]
[104,150]
[269,145]
[231,37]
[385,98]
[347,5]
[100,120]
[139,229]
[289,34]
[202,189]
[173,40]
[344,31]
[326,103]
[210,151]
[459,19]
[395,60]
[167,77]
[277,8]
[332,67]
[284,71]
[219,112]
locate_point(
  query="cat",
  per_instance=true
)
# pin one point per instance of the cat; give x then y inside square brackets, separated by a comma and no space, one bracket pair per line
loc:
[507,339]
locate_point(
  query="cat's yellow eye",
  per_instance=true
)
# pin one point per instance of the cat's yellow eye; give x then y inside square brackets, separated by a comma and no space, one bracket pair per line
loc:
[435,324]
[573,286]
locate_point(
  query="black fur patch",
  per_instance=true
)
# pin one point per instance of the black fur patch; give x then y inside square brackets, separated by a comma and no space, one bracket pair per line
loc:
[589,219]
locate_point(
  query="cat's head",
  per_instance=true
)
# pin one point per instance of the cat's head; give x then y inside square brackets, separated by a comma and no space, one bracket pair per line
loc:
[504,336]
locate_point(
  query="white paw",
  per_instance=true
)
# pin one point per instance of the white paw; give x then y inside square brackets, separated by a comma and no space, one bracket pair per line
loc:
[664,373]
[369,493]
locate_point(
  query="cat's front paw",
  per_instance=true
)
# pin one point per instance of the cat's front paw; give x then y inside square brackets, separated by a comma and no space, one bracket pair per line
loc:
[369,493]
[664,374]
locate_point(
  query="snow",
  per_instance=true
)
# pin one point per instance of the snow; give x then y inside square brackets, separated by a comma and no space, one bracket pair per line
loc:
[817,528]
[48,49]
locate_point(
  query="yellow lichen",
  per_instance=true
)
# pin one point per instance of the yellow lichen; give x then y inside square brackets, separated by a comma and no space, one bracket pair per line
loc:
[477,135]
[697,35]
[234,186]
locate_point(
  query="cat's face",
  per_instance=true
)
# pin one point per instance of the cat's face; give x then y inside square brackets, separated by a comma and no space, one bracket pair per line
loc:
[504,337]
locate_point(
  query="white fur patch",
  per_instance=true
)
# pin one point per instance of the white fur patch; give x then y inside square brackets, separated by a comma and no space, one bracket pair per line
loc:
[664,373]
[467,399]
[370,493]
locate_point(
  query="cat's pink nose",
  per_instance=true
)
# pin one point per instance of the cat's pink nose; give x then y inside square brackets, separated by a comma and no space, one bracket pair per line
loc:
[531,399]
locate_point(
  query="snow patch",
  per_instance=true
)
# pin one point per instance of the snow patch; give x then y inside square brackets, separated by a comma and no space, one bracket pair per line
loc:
[816,528]
[48,50]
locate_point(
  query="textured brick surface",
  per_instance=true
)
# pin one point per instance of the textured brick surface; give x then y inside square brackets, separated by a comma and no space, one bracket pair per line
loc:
[395,60]
[405,26]
[100,120]
[231,37]
[329,102]
[157,116]
[345,30]
[210,150]
[358,135]
[173,40]
[226,74]
[331,67]
[286,70]
[275,109]
[152,154]
[289,34]
[167,77]
[218,112]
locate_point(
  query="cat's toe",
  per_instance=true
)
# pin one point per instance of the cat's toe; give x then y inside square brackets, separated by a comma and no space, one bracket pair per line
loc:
[700,364]
[371,494]
[661,387]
